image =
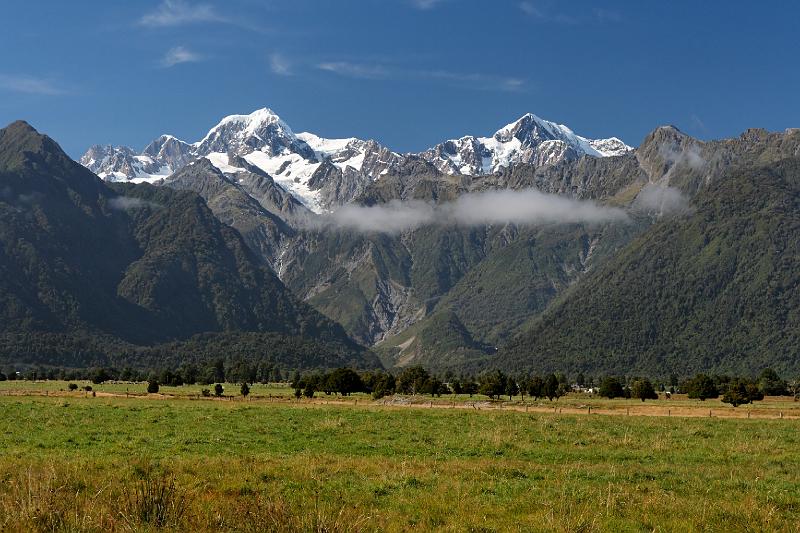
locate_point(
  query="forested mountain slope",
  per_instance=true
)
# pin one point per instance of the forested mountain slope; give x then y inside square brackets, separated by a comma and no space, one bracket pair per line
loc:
[715,290]
[88,270]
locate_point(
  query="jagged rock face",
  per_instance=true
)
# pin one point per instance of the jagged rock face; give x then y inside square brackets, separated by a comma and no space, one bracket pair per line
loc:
[669,156]
[170,151]
[118,163]
[461,156]
[610,147]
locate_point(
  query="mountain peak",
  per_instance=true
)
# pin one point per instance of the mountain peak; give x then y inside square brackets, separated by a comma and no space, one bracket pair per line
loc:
[257,118]
[20,126]
[523,122]
[19,140]
[261,129]
[666,133]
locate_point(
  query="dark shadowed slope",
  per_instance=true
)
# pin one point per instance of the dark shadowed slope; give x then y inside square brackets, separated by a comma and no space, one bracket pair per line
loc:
[88,270]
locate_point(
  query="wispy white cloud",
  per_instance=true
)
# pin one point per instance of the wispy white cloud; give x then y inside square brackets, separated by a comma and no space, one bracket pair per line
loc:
[21,83]
[366,71]
[180,12]
[356,70]
[484,81]
[178,55]
[279,64]
[543,12]
[529,8]
[426,4]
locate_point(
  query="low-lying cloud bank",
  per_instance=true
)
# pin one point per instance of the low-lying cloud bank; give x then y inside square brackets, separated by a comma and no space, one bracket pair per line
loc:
[525,207]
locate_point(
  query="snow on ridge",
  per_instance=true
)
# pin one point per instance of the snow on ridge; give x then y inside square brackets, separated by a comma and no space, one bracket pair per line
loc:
[295,173]
[222,162]
[325,146]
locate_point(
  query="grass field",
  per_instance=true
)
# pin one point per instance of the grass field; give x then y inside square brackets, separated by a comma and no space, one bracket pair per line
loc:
[74,463]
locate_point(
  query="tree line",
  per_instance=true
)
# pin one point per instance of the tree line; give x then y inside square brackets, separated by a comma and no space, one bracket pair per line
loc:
[416,380]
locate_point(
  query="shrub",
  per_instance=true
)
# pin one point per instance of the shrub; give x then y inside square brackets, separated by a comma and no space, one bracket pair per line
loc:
[218,389]
[72,386]
[771,384]
[245,389]
[701,387]
[492,384]
[741,391]
[152,387]
[99,375]
[412,379]
[345,381]
[643,390]
[205,392]
[611,387]
[155,501]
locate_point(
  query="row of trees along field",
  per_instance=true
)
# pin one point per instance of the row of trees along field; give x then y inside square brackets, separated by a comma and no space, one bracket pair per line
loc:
[415,380]
[219,370]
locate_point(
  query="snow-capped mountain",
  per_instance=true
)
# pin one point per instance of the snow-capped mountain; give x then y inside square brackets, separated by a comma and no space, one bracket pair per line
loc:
[120,163]
[528,140]
[325,173]
[321,173]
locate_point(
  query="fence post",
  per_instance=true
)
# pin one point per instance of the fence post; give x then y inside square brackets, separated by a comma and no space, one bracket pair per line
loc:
[590,409]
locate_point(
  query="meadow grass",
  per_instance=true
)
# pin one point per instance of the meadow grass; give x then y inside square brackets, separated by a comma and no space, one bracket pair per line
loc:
[76,463]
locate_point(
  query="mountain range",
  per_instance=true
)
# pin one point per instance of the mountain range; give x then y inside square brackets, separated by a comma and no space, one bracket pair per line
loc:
[533,249]
[326,173]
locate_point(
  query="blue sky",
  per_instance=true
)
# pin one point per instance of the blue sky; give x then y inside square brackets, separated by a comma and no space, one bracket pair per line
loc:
[408,73]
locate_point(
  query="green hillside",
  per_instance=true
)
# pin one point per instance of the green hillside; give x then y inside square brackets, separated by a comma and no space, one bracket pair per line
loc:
[715,290]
